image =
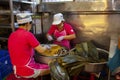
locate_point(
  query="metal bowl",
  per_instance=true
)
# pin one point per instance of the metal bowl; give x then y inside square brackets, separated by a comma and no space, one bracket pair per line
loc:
[97,67]
[45,59]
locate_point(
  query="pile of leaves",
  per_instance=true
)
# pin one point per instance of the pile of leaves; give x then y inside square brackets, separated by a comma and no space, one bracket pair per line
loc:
[75,60]
[89,52]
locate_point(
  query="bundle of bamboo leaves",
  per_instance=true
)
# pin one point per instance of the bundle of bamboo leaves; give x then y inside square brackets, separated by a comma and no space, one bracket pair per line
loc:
[89,52]
[77,58]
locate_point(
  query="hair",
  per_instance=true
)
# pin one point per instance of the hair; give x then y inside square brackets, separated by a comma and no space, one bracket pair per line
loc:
[24,23]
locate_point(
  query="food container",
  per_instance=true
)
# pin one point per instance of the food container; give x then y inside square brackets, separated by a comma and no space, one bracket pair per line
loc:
[94,67]
[45,59]
[97,67]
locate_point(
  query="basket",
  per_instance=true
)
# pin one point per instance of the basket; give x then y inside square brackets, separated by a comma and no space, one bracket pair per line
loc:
[5,66]
[3,53]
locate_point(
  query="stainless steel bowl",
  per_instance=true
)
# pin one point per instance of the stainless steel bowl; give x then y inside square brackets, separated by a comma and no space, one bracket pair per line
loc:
[42,59]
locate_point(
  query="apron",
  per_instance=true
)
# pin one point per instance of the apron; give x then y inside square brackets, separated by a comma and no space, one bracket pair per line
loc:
[64,43]
[28,68]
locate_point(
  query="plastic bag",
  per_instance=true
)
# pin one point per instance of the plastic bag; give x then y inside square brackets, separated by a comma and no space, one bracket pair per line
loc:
[114,62]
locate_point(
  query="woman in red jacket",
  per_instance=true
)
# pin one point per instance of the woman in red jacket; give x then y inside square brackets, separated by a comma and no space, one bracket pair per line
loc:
[21,46]
[61,31]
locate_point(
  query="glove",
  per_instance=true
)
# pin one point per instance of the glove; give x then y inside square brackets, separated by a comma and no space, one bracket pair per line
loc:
[59,39]
[49,38]
[47,46]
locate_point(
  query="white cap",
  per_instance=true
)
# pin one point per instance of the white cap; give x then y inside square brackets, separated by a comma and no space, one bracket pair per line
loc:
[23,18]
[57,18]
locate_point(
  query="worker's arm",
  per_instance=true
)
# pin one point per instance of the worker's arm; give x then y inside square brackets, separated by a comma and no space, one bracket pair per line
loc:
[69,37]
[49,37]
[40,49]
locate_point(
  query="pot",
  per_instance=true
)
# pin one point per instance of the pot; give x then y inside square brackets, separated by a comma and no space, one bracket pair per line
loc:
[42,59]
[45,59]
[98,67]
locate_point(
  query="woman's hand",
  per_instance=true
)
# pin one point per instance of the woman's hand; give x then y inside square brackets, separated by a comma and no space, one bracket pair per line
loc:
[47,46]
[59,39]
[49,37]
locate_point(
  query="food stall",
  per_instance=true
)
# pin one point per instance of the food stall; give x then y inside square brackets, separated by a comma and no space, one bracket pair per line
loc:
[96,24]
[99,19]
